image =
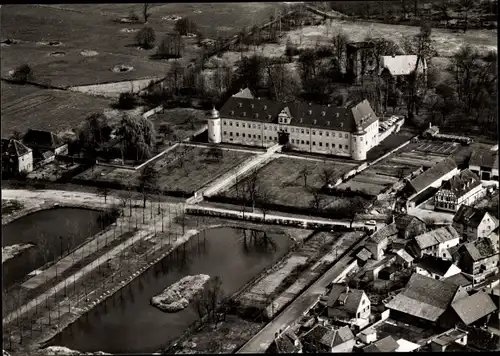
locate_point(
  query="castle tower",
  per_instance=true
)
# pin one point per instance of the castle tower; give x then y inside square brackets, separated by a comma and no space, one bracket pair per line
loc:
[358,144]
[214,127]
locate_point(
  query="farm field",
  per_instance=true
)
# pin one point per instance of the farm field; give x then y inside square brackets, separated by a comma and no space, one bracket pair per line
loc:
[25,106]
[282,178]
[184,169]
[184,122]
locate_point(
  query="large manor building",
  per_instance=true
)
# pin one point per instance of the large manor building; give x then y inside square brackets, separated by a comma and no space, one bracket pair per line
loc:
[342,131]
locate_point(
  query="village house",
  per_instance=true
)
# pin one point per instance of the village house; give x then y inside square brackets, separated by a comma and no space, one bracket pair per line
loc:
[464,188]
[403,258]
[286,342]
[348,305]
[475,309]
[45,145]
[484,163]
[409,226]
[461,280]
[435,243]
[377,243]
[428,183]
[441,342]
[372,268]
[478,259]
[424,301]
[343,131]
[16,157]
[387,344]
[436,267]
[368,335]
[323,338]
[472,223]
[363,256]
[397,68]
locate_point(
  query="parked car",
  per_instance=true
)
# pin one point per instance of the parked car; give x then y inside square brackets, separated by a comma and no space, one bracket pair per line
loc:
[371,223]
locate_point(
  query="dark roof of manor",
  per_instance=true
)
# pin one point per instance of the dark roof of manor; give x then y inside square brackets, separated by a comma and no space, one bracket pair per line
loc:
[14,148]
[41,138]
[462,183]
[302,114]
[431,175]
[469,215]
[435,265]
[484,158]
[474,307]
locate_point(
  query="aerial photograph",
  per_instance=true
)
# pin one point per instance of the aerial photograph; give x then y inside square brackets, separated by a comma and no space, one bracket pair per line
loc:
[250,177]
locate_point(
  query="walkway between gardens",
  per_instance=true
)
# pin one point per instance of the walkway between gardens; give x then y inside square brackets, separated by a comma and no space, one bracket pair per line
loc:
[125,223]
[226,180]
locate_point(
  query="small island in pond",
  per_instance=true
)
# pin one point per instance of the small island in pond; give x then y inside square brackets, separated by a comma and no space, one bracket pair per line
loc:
[177,296]
[12,251]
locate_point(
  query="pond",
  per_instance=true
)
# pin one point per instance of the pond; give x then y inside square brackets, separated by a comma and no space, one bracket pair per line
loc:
[127,323]
[51,232]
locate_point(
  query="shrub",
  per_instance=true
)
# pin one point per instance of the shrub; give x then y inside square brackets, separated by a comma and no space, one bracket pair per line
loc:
[146,37]
[126,101]
[23,73]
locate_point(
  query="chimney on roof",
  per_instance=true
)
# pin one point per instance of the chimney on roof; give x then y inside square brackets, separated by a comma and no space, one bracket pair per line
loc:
[310,112]
[240,105]
[323,113]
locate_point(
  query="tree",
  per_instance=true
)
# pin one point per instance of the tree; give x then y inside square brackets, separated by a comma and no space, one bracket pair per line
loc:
[146,11]
[94,133]
[215,153]
[443,7]
[283,86]
[252,187]
[339,45]
[265,198]
[304,172]
[148,181]
[205,303]
[327,174]
[290,49]
[146,37]
[185,26]
[137,135]
[222,78]
[165,129]
[104,192]
[404,8]
[176,76]
[171,46]
[307,66]
[126,101]
[16,135]
[317,200]
[355,206]
[249,73]
[22,74]
[466,6]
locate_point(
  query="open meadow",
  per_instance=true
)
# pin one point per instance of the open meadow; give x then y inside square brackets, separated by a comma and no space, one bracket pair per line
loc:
[183,122]
[26,107]
[282,178]
[74,45]
[184,169]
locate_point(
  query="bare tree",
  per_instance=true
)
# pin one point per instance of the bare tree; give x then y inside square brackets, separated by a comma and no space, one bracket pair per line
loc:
[265,198]
[317,200]
[252,184]
[466,6]
[147,181]
[355,206]
[327,174]
[305,172]
[103,192]
[146,11]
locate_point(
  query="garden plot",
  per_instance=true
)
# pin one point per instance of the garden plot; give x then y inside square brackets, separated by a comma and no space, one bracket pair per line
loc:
[393,170]
[362,187]
[183,122]
[445,148]
[183,169]
[282,178]
[372,177]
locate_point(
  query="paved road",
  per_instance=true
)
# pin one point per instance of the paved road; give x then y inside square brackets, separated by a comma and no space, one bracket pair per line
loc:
[260,342]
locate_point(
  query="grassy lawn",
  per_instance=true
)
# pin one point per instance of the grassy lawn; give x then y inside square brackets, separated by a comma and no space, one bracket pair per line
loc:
[183,121]
[282,178]
[183,169]
[390,143]
[26,106]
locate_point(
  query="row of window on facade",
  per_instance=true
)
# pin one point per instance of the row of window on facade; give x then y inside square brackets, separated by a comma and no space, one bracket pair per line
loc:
[293,141]
[302,131]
